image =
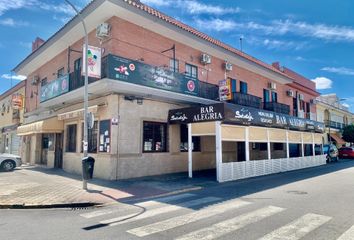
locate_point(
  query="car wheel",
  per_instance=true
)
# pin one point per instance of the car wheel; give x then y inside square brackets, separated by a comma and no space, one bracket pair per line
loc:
[8,165]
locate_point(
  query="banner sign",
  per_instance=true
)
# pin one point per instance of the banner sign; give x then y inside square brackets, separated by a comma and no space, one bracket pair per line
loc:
[241,115]
[225,90]
[94,61]
[55,88]
[127,70]
[17,101]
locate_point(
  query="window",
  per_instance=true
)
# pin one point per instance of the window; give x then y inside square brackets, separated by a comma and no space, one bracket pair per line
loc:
[174,65]
[278,146]
[60,72]
[105,136]
[260,146]
[184,140]
[266,96]
[191,71]
[71,138]
[318,149]
[44,81]
[91,137]
[243,87]
[295,150]
[154,137]
[308,150]
[274,97]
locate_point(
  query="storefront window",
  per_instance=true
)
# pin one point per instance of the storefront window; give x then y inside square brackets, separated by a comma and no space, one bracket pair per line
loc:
[278,150]
[91,138]
[308,150]
[258,151]
[184,140]
[155,137]
[295,150]
[71,138]
[318,149]
[105,136]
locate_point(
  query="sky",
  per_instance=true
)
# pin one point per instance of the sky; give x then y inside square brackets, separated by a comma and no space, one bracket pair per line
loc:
[314,38]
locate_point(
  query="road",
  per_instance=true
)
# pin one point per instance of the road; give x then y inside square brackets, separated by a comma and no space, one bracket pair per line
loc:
[315,203]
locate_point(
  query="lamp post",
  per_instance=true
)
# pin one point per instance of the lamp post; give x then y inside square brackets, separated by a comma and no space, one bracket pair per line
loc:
[85,141]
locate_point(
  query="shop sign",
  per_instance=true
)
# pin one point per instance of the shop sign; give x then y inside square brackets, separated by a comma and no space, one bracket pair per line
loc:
[225,90]
[127,70]
[55,88]
[17,101]
[214,112]
[93,60]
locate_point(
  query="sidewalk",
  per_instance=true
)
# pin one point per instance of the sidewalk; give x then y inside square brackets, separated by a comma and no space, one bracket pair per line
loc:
[40,187]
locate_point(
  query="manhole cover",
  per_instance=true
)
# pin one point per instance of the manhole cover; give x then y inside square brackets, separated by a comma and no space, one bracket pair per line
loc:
[297,192]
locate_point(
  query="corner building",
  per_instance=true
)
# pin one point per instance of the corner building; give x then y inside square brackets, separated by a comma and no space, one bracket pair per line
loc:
[152,65]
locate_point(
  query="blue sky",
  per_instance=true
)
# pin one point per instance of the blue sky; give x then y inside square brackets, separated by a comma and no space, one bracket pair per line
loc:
[314,38]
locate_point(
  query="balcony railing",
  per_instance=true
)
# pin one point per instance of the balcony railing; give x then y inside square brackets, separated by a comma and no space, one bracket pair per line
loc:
[277,107]
[246,100]
[335,125]
[208,91]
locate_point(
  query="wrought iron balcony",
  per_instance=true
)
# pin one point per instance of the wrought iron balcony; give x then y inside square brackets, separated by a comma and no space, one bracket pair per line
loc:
[335,125]
[209,91]
[277,107]
[246,100]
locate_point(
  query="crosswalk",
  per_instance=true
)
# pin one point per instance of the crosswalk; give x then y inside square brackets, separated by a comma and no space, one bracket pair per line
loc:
[171,214]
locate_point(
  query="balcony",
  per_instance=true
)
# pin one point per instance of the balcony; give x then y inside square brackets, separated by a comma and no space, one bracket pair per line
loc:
[246,100]
[335,125]
[277,107]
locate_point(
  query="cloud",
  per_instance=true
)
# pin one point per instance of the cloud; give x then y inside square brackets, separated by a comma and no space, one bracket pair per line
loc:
[6,5]
[158,3]
[322,83]
[346,105]
[340,70]
[14,77]
[10,22]
[215,24]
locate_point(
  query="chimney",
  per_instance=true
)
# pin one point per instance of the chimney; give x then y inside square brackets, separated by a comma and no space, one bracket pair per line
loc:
[37,43]
[276,65]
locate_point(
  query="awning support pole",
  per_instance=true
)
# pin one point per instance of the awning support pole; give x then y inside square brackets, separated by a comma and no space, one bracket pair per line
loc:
[302,145]
[218,150]
[287,144]
[190,151]
[313,144]
[268,145]
[247,143]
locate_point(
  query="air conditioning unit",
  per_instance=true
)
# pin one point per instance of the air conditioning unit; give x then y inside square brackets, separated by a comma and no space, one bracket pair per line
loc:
[205,59]
[35,80]
[290,93]
[228,66]
[301,96]
[103,30]
[272,86]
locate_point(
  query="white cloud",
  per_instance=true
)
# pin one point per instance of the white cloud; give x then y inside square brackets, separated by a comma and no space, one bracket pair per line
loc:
[216,24]
[346,105]
[340,70]
[6,5]
[10,22]
[158,3]
[15,77]
[322,83]
[61,8]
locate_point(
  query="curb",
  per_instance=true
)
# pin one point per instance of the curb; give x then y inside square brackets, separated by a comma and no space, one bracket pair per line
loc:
[48,206]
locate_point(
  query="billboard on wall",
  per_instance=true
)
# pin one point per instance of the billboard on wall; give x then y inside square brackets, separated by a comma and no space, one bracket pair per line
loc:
[225,90]
[17,101]
[55,88]
[131,71]
[93,60]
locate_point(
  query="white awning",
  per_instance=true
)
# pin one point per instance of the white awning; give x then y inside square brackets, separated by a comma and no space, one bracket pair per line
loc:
[52,125]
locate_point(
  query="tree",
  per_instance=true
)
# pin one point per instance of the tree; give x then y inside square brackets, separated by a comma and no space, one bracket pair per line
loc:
[348,133]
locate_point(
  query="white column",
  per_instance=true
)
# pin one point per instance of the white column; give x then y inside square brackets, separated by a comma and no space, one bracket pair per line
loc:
[313,144]
[218,151]
[247,143]
[268,145]
[287,144]
[190,151]
[302,144]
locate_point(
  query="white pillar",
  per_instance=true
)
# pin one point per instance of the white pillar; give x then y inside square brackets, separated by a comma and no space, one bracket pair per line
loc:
[302,144]
[247,143]
[218,150]
[190,151]
[268,145]
[313,144]
[287,144]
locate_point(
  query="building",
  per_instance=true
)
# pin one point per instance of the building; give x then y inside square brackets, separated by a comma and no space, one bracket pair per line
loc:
[335,116]
[153,64]
[11,116]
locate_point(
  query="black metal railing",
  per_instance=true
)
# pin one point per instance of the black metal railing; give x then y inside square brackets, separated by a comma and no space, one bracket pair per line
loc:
[246,100]
[277,107]
[335,125]
[209,91]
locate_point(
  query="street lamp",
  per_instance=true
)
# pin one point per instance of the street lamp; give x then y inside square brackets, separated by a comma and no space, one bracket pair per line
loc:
[85,141]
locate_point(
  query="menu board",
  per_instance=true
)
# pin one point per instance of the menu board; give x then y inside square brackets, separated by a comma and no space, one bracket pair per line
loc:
[105,136]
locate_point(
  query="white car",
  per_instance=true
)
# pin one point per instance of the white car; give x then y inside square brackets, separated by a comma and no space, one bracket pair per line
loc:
[9,161]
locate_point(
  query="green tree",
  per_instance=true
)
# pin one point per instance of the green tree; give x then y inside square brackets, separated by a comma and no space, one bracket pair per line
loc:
[348,133]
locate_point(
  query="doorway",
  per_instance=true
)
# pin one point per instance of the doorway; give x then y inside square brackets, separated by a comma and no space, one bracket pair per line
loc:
[58,153]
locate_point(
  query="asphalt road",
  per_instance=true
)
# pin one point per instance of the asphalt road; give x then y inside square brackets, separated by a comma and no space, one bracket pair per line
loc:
[315,203]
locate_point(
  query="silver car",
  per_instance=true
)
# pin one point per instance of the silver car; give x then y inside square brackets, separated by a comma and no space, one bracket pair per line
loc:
[9,161]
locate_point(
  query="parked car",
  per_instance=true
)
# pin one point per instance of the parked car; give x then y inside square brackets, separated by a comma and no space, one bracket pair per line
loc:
[9,161]
[331,151]
[346,152]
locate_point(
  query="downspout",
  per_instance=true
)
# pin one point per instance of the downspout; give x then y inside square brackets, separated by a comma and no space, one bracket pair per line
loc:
[118,131]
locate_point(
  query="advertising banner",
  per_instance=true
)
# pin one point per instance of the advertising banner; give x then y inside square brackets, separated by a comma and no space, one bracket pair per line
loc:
[225,90]
[55,88]
[143,74]
[17,101]
[94,61]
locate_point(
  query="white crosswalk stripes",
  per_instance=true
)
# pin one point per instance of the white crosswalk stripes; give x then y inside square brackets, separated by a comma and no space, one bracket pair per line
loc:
[157,211]
[187,218]
[348,235]
[298,228]
[225,227]
[151,203]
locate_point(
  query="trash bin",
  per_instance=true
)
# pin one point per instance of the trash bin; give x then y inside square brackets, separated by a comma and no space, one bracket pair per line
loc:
[88,164]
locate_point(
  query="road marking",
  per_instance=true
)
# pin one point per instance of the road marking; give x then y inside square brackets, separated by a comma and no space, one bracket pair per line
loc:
[187,218]
[298,228]
[348,235]
[225,227]
[158,211]
[151,203]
